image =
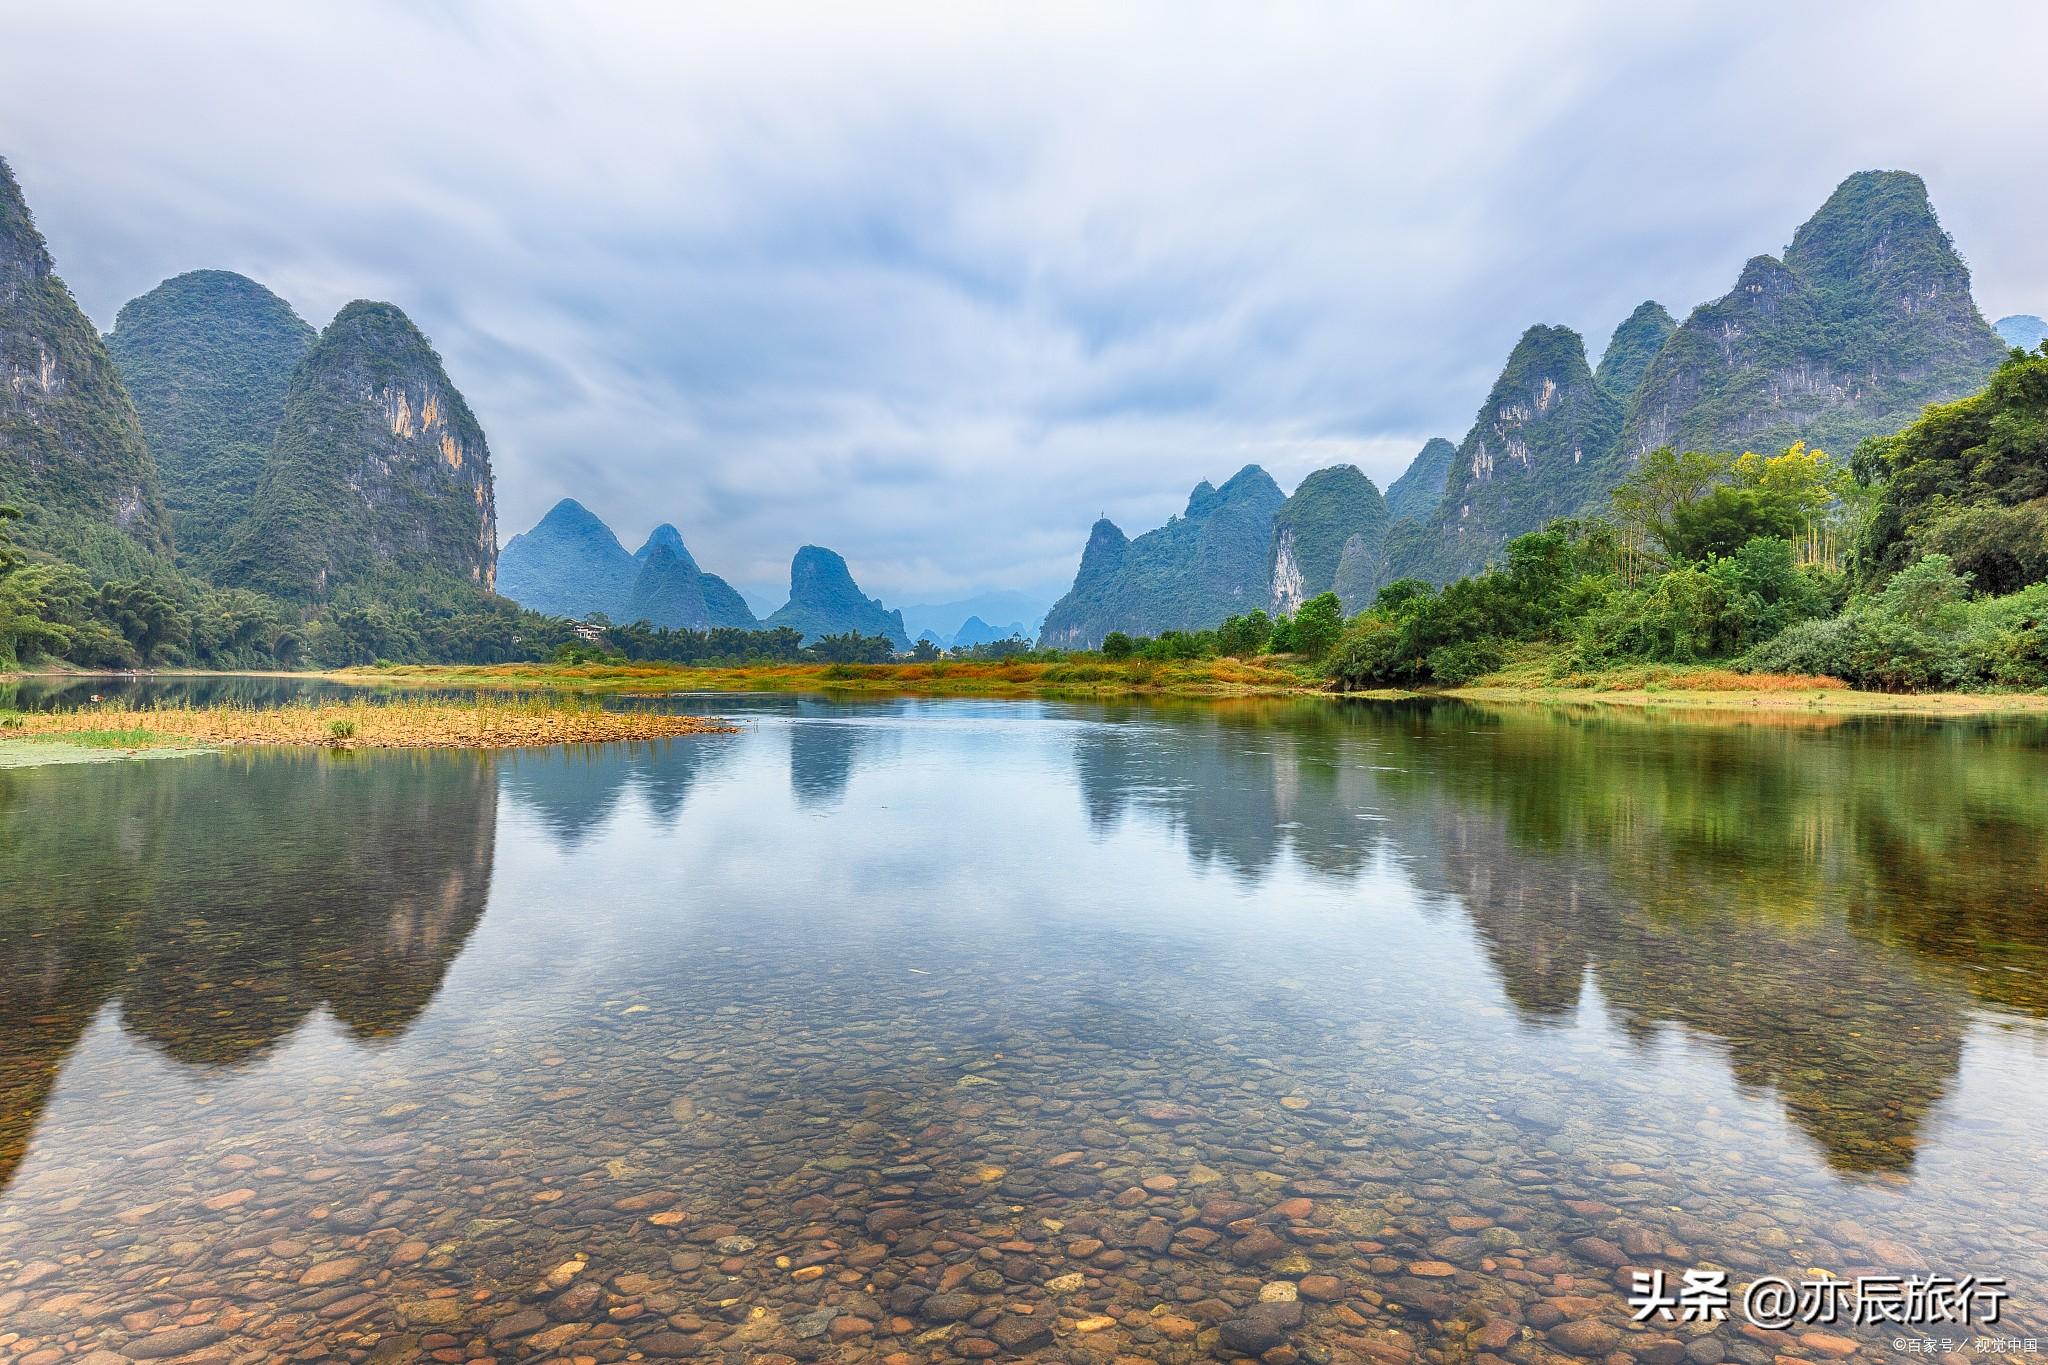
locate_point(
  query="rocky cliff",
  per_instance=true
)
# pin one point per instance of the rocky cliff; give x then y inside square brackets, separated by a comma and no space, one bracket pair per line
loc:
[1867,319]
[208,357]
[379,471]
[1542,446]
[1334,512]
[72,453]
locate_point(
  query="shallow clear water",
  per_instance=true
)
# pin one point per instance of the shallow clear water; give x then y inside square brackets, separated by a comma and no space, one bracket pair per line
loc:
[1443,1019]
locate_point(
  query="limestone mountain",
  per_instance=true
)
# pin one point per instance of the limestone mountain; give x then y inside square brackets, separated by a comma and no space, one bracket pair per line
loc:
[1208,563]
[570,564]
[662,536]
[724,605]
[668,591]
[207,357]
[379,471]
[73,456]
[824,600]
[1632,347]
[1542,446]
[1867,319]
[1333,512]
[2023,330]
[1414,495]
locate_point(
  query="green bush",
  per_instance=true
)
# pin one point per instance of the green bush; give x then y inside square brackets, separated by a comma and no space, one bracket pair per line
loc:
[1452,665]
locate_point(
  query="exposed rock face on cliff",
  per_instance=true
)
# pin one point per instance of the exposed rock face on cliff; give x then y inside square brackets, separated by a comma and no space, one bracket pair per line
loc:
[379,471]
[1334,512]
[1208,563]
[1542,446]
[1867,319]
[72,453]
[1415,495]
[824,600]
[208,357]
[1631,349]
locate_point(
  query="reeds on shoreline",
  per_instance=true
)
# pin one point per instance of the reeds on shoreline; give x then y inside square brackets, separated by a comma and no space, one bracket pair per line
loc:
[485,722]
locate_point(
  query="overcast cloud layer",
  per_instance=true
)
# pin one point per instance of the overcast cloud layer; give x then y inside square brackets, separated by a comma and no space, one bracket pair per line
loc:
[935,286]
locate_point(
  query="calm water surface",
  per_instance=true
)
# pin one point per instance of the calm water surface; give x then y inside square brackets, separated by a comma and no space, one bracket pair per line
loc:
[938,1030]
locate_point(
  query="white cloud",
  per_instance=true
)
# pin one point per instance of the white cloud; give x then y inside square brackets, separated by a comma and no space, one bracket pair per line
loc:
[936,285]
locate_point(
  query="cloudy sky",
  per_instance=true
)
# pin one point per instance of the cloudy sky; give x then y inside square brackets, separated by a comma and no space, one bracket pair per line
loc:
[937,285]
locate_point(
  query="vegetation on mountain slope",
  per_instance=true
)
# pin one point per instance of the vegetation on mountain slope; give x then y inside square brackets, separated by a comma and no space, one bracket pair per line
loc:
[379,477]
[73,458]
[1185,575]
[208,356]
[1334,514]
[1415,495]
[825,601]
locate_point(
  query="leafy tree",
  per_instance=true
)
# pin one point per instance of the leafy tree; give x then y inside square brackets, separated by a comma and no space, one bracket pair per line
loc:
[11,557]
[1318,623]
[1244,637]
[144,615]
[852,648]
[1117,645]
[924,652]
[1989,452]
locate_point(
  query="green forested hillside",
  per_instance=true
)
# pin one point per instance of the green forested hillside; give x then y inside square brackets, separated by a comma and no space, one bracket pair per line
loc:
[73,458]
[1631,349]
[1924,566]
[1970,480]
[824,600]
[1541,446]
[1203,565]
[379,474]
[1867,319]
[207,357]
[1415,495]
[1335,513]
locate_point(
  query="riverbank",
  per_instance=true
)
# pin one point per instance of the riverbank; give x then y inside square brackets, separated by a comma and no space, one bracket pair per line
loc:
[405,723]
[1071,678]
[1537,682]
[1670,687]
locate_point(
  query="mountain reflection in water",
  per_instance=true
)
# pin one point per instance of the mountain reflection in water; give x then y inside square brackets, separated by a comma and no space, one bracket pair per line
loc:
[924,974]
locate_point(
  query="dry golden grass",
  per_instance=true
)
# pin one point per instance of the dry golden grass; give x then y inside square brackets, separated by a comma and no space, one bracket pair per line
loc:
[487,723]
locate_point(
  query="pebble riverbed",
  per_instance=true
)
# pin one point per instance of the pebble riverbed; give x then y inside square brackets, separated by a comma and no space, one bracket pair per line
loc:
[958,1031]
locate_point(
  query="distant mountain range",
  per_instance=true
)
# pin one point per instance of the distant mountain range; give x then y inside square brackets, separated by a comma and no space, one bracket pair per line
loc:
[1866,319]
[2023,330]
[571,564]
[943,621]
[215,430]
